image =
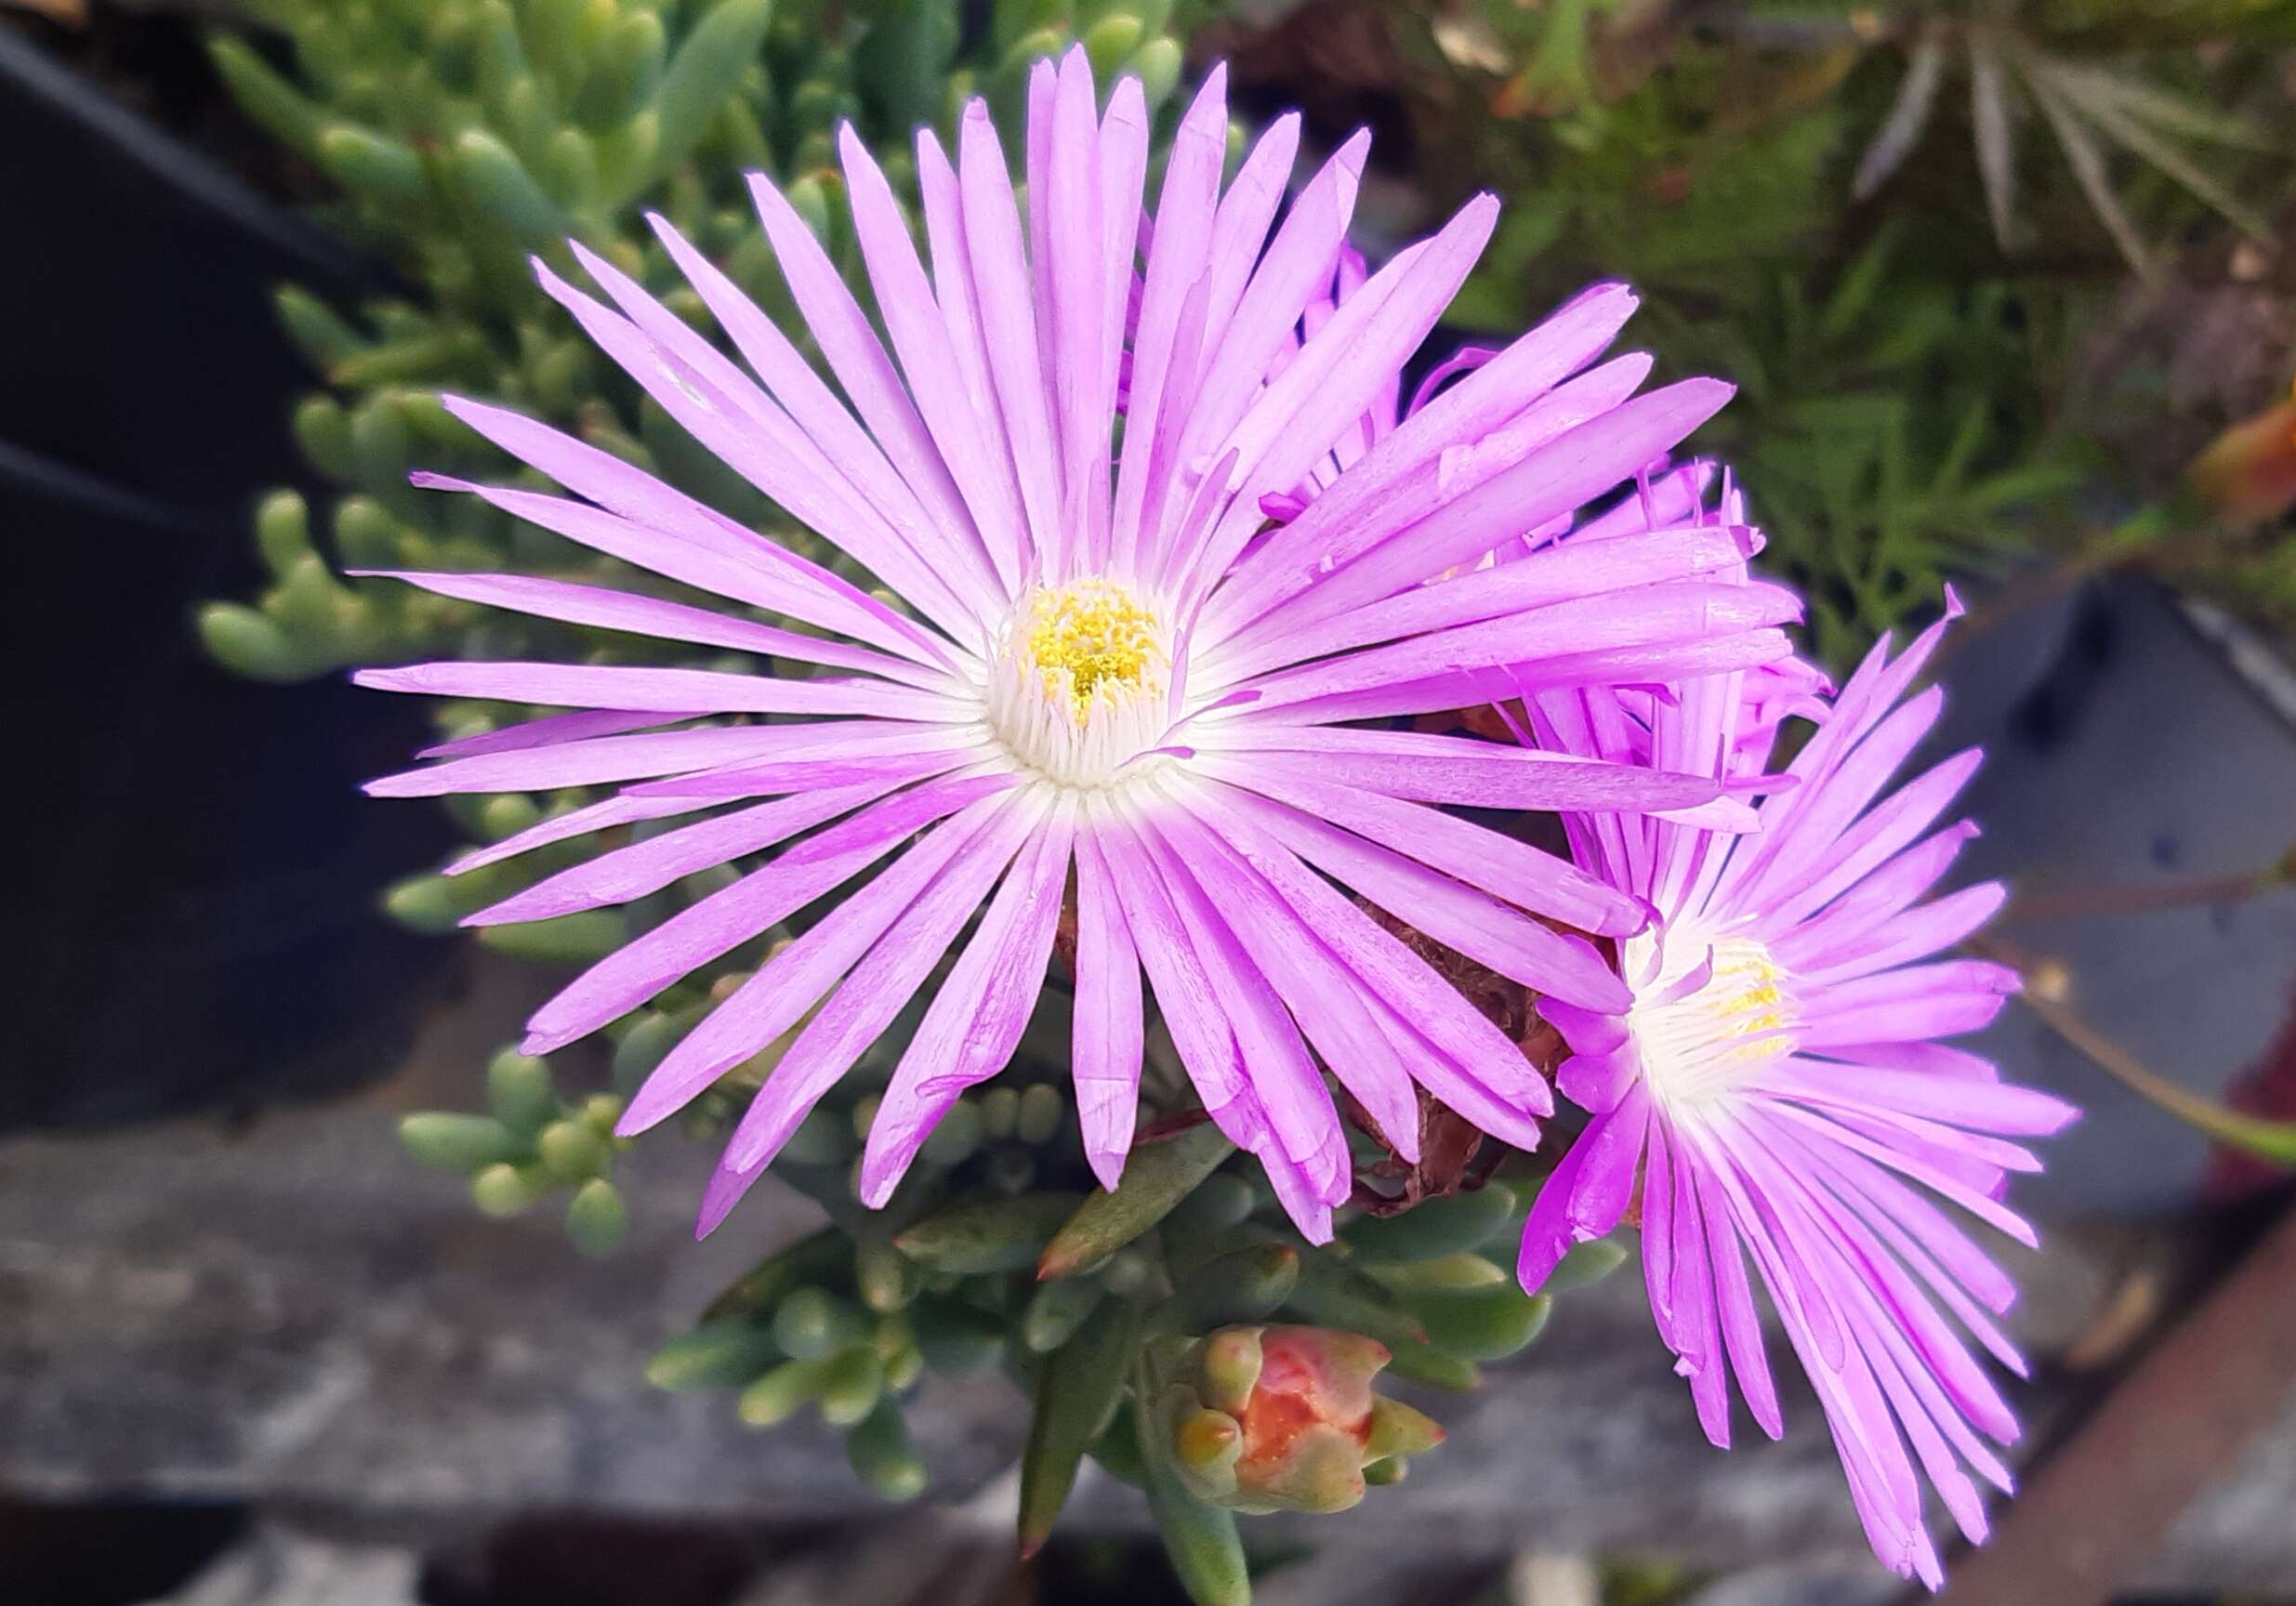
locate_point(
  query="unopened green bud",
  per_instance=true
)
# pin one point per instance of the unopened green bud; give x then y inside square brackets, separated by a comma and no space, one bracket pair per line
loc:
[1109,40]
[881,1454]
[427,903]
[322,431]
[643,1047]
[318,330]
[1487,1324]
[955,1336]
[957,1137]
[597,1220]
[778,1396]
[1156,64]
[264,95]
[450,1140]
[887,1278]
[722,1353]
[501,1190]
[1447,1272]
[1220,1201]
[811,1322]
[823,1137]
[1000,1112]
[1039,1113]
[851,1385]
[572,1151]
[520,1091]
[366,535]
[1128,1274]
[506,814]
[905,1368]
[1245,1285]
[249,644]
[380,451]
[372,163]
[283,533]
[581,938]
[1584,1265]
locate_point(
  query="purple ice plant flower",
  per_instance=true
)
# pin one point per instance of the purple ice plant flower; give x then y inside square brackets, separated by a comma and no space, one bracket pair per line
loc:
[1092,683]
[1777,1088]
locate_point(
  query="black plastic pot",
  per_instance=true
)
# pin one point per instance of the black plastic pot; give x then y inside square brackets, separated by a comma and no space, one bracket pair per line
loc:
[189,916]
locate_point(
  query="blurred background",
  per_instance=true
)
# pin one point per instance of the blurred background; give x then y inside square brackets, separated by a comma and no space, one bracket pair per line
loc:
[2008,295]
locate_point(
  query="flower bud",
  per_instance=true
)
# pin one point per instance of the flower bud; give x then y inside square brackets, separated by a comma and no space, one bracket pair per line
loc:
[1284,1419]
[2248,474]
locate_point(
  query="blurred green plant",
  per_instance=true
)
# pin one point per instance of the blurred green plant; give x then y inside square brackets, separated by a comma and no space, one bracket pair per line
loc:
[1842,207]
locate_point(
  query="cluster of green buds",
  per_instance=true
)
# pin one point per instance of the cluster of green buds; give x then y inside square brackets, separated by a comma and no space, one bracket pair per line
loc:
[464,136]
[1177,1331]
[528,1144]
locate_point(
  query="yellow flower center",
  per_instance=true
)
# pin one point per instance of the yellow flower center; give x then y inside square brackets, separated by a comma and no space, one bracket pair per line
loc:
[1081,683]
[1089,635]
[1700,1047]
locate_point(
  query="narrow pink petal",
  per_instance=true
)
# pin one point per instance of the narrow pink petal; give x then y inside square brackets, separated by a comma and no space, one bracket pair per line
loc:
[625,875]
[668,690]
[593,762]
[920,335]
[603,609]
[793,383]
[1413,478]
[1105,1063]
[1276,1062]
[839,325]
[1175,265]
[680,541]
[1475,1069]
[1500,865]
[879,988]
[746,430]
[974,1023]
[599,816]
[1438,769]
[549,731]
[1200,1031]
[1575,570]
[1000,277]
[1678,611]
[726,919]
[1321,995]
[1565,473]
[773,1000]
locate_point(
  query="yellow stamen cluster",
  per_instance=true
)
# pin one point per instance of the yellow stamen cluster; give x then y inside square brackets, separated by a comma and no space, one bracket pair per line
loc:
[1745,988]
[1698,1049]
[1089,635]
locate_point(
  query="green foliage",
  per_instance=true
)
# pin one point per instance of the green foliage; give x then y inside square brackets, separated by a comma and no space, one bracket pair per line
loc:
[1889,227]
[528,1144]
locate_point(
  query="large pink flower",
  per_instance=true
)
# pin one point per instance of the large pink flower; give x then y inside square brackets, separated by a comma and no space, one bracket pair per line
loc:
[1093,680]
[1777,1090]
